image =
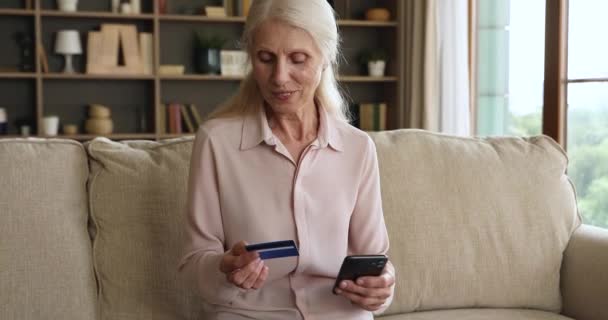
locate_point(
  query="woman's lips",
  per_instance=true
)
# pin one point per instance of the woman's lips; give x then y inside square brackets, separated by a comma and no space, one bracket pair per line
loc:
[283,95]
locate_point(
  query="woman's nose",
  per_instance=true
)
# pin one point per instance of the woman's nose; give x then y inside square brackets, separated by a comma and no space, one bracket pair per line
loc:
[280,73]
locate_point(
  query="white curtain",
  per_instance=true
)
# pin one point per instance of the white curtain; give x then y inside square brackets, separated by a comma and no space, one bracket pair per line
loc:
[452,38]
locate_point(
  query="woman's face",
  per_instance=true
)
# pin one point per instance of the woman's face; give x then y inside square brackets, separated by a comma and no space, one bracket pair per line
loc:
[287,66]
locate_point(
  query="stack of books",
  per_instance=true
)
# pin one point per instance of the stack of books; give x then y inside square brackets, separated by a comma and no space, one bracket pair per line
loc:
[369,116]
[230,8]
[177,118]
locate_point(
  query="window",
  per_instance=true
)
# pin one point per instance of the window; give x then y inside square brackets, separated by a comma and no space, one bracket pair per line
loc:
[587,108]
[510,67]
[542,66]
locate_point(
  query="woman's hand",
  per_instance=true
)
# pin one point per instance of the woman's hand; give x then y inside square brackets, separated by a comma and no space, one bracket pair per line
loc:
[370,293]
[244,269]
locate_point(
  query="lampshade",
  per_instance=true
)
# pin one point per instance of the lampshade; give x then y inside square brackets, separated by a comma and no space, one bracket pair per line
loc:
[68,42]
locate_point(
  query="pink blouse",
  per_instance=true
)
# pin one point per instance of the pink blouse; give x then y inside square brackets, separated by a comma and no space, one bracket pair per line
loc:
[244,185]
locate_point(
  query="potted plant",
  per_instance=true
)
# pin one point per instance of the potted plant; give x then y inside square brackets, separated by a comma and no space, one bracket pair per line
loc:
[207,53]
[374,60]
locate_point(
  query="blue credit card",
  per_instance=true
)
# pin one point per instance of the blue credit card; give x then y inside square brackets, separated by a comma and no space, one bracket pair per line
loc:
[275,249]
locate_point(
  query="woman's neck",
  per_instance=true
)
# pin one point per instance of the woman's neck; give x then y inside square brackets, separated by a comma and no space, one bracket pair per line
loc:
[297,127]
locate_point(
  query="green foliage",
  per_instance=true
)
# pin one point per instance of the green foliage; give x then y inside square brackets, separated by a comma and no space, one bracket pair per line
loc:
[375,54]
[204,41]
[594,205]
[526,125]
[588,154]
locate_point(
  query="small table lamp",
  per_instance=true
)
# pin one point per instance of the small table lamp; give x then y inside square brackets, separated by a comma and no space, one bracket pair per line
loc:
[68,43]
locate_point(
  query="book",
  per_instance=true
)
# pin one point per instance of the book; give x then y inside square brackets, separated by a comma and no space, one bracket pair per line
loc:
[243,7]
[171,69]
[372,116]
[196,116]
[146,48]
[130,47]
[110,34]
[186,118]
[229,7]
[161,121]
[175,118]
[94,52]
[215,12]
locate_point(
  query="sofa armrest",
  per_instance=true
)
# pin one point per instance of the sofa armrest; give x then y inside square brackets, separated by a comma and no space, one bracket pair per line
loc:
[584,274]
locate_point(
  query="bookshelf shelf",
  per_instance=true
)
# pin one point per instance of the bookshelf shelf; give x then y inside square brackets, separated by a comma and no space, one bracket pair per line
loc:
[200,77]
[366,79]
[139,103]
[95,15]
[17,75]
[199,18]
[196,77]
[84,76]
[17,12]
[364,23]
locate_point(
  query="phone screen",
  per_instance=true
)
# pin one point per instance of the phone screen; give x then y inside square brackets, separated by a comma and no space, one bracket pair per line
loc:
[357,266]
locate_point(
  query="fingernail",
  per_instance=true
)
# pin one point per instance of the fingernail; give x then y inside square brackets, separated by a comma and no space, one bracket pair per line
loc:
[360,282]
[338,291]
[343,284]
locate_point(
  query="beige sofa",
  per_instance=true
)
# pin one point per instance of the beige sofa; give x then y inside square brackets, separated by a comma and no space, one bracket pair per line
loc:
[479,229]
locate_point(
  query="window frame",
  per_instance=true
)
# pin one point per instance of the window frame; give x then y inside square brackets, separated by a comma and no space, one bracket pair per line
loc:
[554,116]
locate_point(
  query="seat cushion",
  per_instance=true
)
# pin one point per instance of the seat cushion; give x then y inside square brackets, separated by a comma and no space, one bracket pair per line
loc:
[137,198]
[46,266]
[475,222]
[478,314]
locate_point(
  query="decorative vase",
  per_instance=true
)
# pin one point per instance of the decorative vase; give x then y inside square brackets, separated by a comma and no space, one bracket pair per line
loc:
[376,68]
[98,126]
[70,129]
[50,125]
[67,5]
[208,61]
[377,14]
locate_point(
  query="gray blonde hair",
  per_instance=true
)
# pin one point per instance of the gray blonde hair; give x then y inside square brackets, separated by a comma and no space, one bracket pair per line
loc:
[315,17]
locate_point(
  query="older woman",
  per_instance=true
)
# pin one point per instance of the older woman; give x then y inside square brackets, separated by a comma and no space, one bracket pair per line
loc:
[279,162]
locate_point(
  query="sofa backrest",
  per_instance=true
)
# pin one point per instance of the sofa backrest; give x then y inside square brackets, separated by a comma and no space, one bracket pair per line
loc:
[475,222]
[137,193]
[46,269]
[472,223]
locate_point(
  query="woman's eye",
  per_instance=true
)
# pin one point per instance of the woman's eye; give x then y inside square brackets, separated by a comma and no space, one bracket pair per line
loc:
[298,58]
[265,57]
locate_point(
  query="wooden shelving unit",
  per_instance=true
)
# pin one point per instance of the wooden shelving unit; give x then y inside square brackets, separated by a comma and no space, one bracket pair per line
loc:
[16,12]
[95,15]
[134,98]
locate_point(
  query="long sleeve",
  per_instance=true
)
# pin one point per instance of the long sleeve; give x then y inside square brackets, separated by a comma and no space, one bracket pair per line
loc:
[367,231]
[367,234]
[204,230]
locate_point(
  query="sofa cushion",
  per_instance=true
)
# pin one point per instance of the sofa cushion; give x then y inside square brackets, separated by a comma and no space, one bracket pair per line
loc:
[46,269]
[475,222]
[478,314]
[137,199]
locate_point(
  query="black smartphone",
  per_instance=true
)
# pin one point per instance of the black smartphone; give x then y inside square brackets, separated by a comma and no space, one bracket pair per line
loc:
[357,266]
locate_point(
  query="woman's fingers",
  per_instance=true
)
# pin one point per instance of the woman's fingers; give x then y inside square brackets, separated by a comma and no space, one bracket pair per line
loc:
[243,268]
[253,276]
[246,277]
[369,298]
[237,258]
[367,303]
[261,279]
